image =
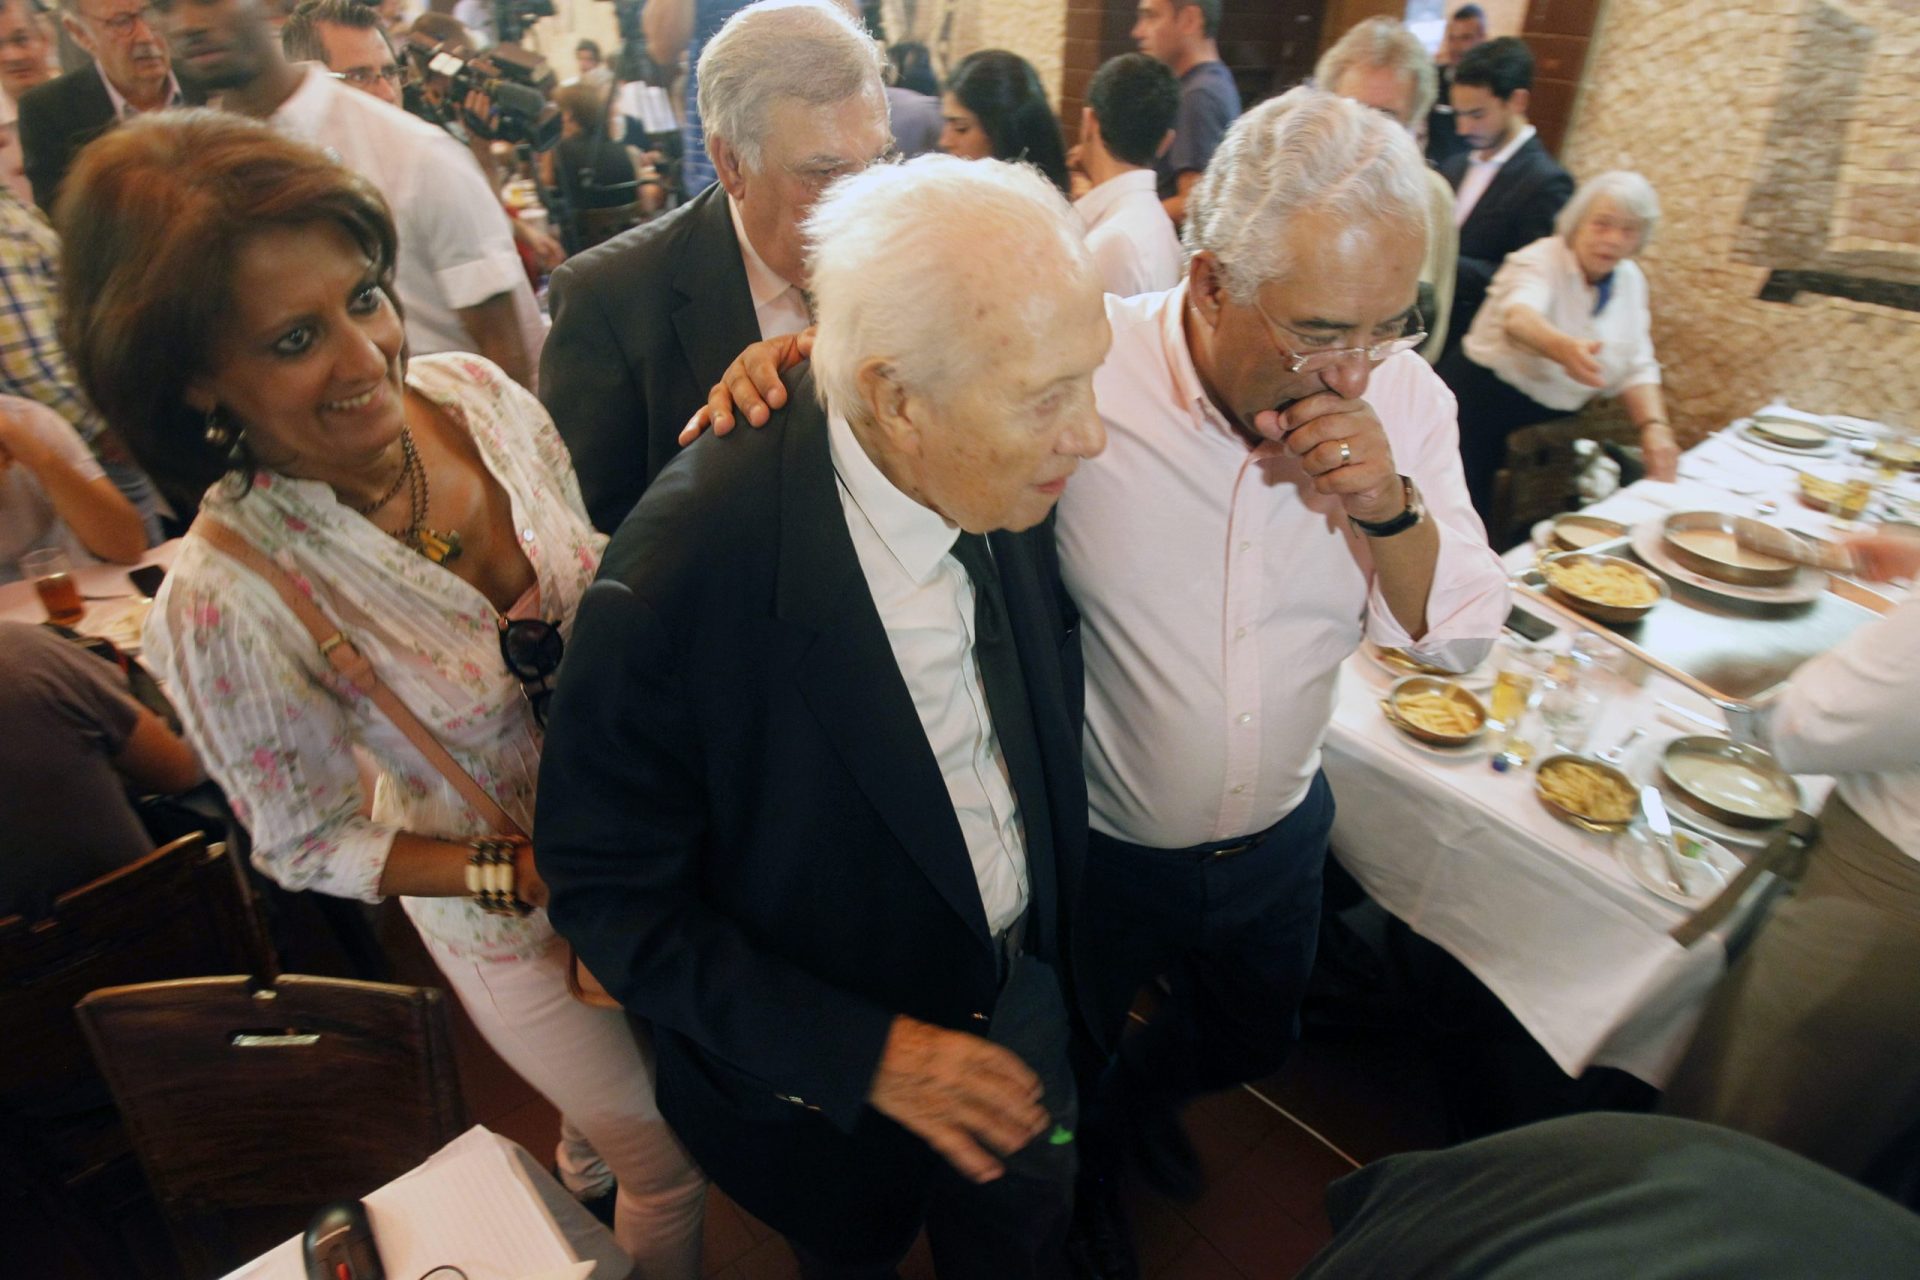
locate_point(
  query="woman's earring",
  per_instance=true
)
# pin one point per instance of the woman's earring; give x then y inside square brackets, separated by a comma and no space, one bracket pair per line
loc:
[219,433]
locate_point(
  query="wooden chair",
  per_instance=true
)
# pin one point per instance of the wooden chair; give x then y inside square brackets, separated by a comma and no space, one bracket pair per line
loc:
[605,211]
[249,1107]
[181,911]
[1539,477]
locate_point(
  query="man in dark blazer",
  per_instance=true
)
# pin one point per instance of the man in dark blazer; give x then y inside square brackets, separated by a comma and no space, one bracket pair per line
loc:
[811,802]
[645,323]
[130,74]
[1507,189]
[1466,29]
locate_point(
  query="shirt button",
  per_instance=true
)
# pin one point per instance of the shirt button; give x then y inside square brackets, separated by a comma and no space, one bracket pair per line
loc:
[526,535]
[1245,716]
[1246,546]
[1240,633]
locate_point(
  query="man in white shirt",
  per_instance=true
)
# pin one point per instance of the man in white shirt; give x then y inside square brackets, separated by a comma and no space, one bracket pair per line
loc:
[792,97]
[1128,120]
[459,278]
[811,802]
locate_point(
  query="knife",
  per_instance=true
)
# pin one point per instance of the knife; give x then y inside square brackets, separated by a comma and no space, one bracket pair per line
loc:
[1662,828]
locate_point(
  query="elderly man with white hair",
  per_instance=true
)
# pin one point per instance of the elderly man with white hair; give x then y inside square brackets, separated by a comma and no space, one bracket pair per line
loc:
[1381,64]
[1282,481]
[792,96]
[1565,322]
[812,803]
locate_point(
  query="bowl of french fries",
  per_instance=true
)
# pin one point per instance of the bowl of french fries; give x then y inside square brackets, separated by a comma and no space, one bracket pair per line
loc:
[1436,711]
[1593,796]
[1606,588]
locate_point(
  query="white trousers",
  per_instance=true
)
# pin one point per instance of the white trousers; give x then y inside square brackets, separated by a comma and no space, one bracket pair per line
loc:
[586,1062]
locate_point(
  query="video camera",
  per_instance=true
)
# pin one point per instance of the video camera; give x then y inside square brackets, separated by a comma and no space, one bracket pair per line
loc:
[514,81]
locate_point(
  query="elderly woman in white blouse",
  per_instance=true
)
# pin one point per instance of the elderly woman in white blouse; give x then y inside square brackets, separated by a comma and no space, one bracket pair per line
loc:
[1565,321]
[229,310]
[1813,1040]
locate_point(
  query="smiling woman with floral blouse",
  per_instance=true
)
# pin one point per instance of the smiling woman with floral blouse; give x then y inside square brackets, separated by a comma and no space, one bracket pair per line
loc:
[228,309]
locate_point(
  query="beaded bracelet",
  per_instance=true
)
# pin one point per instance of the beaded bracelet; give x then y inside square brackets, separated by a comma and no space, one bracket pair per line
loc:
[492,877]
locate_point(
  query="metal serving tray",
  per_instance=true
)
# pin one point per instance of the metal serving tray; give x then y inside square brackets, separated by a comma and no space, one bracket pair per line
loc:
[1732,651]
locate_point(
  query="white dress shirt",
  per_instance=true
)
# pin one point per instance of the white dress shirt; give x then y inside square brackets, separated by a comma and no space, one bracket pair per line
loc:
[1130,235]
[1547,277]
[925,601]
[1854,712]
[780,307]
[1481,170]
[124,111]
[1220,594]
[456,245]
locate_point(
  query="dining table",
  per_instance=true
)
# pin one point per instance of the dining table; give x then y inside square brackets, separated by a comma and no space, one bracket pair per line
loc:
[1545,914]
[114,605]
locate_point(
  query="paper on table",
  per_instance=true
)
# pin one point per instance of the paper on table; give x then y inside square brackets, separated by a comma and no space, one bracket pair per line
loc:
[466,1206]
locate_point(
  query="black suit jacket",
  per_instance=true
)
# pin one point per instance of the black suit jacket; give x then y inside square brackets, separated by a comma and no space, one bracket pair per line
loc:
[1517,208]
[643,326]
[749,841]
[62,116]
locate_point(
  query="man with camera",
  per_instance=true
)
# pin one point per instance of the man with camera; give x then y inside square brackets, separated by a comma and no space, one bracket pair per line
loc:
[459,277]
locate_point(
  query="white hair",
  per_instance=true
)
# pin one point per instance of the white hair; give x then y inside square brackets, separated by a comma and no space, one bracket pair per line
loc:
[1306,151]
[1627,189]
[1387,45]
[906,260]
[806,50]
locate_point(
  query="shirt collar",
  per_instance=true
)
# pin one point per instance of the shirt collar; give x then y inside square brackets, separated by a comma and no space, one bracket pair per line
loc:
[1103,201]
[1188,391]
[915,536]
[122,109]
[1505,153]
[306,108]
[763,282]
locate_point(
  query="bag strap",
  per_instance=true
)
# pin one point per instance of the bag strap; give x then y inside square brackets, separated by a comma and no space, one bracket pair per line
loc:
[350,664]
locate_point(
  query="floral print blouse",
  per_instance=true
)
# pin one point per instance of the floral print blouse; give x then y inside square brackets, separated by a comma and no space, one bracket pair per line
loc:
[277,729]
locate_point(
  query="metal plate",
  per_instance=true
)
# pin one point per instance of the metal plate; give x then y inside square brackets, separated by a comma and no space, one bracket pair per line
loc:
[1758,769]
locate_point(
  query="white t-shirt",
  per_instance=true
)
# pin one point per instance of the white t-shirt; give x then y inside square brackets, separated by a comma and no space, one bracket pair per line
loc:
[456,245]
[1130,235]
[1547,277]
[27,518]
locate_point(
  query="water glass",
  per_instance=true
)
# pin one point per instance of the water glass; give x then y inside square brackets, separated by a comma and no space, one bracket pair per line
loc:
[1569,710]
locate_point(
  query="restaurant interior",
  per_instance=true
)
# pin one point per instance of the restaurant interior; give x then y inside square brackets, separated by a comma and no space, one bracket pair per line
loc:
[1541,872]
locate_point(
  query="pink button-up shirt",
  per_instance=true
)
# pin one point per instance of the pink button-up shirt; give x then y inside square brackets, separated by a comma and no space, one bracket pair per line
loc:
[1220,593]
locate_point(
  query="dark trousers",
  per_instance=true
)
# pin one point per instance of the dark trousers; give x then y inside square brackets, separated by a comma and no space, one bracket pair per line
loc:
[1490,411]
[1015,1227]
[1235,931]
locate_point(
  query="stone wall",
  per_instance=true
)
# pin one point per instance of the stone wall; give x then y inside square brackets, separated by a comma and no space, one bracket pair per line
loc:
[1034,29]
[1784,139]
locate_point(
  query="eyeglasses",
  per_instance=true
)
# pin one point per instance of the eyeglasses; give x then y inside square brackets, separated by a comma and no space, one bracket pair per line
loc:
[1313,361]
[120,25]
[367,77]
[531,648]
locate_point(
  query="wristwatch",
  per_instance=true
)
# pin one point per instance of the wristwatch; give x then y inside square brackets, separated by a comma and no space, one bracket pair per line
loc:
[1415,512]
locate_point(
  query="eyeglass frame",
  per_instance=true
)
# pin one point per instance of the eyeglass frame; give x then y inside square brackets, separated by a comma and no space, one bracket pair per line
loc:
[363,77]
[1314,361]
[536,680]
[120,25]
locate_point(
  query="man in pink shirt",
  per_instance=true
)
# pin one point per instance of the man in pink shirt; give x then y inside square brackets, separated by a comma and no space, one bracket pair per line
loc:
[1282,480]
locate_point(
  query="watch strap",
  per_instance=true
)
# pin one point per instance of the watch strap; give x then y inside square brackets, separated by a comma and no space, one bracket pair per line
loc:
[1407,518]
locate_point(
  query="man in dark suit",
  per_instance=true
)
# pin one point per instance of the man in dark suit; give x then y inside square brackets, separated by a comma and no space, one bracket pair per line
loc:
[1466,29]
[811,803]
[1507,189]
[131,74]
[792,98]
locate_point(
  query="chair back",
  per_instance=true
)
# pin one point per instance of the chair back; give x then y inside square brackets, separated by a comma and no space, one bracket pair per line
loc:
[181,911]
[293,1095]
[597,226]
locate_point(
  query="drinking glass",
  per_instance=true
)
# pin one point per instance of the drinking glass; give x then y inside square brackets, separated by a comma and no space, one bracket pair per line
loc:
[52,574]
[1569,709]
[1519,670]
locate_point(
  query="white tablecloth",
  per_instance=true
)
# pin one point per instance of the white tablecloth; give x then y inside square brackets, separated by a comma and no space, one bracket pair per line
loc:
[19,602]
[1539,911]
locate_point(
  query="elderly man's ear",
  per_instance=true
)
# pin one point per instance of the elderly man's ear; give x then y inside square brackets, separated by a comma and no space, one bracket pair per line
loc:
[889,407]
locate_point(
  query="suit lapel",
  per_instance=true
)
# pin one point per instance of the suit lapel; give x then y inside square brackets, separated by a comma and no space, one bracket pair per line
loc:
[846,670]
[714,317]
[1510,181]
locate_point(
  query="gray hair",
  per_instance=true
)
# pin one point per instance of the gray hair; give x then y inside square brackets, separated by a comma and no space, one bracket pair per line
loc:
[808,50]
[1306,151]
[1389,46]
[898,251]
[1633,193]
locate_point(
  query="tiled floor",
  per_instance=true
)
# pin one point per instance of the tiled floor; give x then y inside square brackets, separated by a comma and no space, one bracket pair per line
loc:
[1269,1153]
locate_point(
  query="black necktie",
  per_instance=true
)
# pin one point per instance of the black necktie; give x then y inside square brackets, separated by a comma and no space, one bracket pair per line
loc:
[1009,708]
